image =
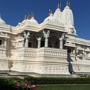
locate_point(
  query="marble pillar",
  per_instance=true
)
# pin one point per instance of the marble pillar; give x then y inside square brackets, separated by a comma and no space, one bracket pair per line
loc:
[39,42]
[46,35]
[26,37]
[46,42]
[26,42]
[61,43]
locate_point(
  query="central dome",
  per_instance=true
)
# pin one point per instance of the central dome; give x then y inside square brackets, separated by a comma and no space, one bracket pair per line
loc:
[32,21]
[51,18]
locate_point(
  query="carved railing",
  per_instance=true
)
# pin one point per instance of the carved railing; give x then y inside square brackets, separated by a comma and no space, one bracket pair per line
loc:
[4,35]
[52,52]
[27,52]
[45,52]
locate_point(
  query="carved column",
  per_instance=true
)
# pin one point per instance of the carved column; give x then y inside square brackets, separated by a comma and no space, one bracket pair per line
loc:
[39,42]
[83,55]
[46,42]
[61,43]
[26,42]
[26,36]
[46,35]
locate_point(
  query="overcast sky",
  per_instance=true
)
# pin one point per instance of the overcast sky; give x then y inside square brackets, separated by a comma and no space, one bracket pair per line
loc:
[13,11]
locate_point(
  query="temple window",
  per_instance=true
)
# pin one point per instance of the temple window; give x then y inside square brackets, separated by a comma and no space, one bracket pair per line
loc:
[0,42]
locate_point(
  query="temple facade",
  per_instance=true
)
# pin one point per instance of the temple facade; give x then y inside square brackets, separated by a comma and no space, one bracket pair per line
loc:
[47,49]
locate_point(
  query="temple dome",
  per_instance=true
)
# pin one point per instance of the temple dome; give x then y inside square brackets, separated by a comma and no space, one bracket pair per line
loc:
[51,18]
[68,16]
[28,21]
[32,21]
[2,22]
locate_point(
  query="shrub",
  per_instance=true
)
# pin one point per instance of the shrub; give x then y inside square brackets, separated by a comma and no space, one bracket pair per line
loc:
[15,84]
[49,80]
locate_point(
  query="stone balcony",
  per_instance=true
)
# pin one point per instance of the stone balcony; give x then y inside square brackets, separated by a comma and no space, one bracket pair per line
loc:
[52,52]
[27,52]
[45,52]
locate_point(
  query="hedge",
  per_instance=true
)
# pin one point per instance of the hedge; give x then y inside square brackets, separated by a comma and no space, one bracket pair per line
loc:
[48,80]
[10,83]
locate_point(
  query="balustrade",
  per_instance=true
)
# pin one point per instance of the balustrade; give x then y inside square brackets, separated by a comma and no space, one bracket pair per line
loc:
[45,52]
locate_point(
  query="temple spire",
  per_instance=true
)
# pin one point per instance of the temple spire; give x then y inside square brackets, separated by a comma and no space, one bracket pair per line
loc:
[25,17]
[67,4]
[59,4]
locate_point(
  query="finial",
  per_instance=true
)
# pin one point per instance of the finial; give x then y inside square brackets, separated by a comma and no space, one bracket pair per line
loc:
[25,17]
[69,3]
[0,15]
[29,16]
[32,14]
[58,5]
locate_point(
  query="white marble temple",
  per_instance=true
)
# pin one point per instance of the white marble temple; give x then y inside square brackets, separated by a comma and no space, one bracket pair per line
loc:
[50,48]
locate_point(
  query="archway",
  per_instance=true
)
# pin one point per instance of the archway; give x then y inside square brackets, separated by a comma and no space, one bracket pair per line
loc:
[53,42]
[32,42]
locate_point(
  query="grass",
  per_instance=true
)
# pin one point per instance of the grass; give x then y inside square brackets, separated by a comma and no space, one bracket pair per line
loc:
[63,87]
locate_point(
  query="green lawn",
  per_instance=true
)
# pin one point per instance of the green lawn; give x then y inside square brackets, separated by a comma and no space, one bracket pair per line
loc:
[64,87]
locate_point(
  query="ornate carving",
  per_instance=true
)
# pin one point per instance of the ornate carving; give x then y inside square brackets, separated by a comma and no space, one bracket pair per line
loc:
[46,34]
[63,36]
[26,35]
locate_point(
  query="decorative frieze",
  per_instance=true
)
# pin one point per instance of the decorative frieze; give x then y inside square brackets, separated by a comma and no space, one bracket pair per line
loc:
[79,41]
[4,35]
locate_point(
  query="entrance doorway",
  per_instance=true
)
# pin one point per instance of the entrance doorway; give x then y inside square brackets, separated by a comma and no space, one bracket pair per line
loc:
[42,43]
